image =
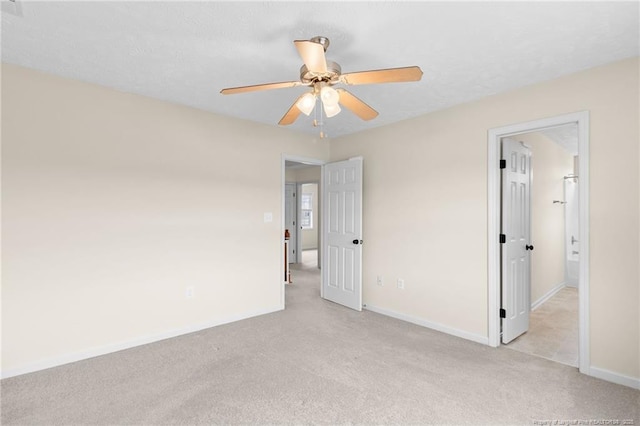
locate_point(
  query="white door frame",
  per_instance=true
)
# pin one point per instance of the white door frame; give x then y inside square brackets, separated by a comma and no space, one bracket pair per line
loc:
[493,195]
[311,162]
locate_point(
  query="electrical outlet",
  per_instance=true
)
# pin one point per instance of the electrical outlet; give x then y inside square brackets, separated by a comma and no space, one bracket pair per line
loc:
[400,283]
[189,292]
[380,280]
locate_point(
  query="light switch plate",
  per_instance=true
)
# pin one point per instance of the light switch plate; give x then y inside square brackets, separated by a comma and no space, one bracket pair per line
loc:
[268,217]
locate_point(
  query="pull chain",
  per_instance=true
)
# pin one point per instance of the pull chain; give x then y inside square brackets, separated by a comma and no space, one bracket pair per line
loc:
[321,120]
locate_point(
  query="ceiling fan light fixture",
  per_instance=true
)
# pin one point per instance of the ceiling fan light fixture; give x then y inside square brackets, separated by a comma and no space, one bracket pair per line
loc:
[320,75]
[329,96]
[331,110]
[306,103]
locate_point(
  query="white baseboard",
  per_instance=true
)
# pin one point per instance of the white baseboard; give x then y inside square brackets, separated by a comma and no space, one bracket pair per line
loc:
[548,295]
[428,324]
[610,376]
[119,346]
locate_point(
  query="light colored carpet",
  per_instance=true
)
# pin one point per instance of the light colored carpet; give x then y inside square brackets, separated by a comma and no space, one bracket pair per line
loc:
[553,329]
[314,363]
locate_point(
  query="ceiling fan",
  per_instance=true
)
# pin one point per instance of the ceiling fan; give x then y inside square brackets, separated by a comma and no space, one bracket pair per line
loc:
[321,74]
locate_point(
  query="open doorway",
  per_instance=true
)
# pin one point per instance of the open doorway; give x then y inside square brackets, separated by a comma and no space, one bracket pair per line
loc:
[494,187]
[302,224]
[303,212]
[552,313]
[339,246]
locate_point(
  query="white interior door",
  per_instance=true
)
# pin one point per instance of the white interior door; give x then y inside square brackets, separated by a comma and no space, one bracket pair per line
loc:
[516,247]
[290,218]
[342,242]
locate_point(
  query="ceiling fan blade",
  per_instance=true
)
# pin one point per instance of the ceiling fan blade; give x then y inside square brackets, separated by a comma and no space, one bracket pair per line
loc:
[291,115]
[255,88]
[358,107]
[312,55]
[391,75]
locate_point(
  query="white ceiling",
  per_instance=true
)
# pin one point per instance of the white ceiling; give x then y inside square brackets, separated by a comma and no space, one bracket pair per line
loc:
[185,52]
[566,136]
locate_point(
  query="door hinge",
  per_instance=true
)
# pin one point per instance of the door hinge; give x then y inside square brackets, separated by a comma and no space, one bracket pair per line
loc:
[503,313]
[503,164]
[503,238]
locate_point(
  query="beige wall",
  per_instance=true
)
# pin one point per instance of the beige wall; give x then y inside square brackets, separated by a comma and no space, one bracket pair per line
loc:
[304,174]
[309,174]
[290,175]
[550,163]
[425,207]
[114,203]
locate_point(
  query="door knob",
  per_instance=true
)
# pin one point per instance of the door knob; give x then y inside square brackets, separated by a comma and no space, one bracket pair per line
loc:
[357,241]
[528,247]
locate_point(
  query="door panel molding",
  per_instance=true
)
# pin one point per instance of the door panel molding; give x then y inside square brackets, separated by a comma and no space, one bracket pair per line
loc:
[516,225]
[342,267]
[493,227]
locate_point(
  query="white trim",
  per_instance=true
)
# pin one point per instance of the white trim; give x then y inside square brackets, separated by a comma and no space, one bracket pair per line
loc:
[311,162]
[493,238]
[428,324]
[298,221]
[493,225]
[583,218]
[548,295]
[127,344]
[620,379]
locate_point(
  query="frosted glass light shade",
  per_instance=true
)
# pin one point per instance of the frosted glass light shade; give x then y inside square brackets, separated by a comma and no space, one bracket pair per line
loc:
[306,103]
[331,110]
[329,96]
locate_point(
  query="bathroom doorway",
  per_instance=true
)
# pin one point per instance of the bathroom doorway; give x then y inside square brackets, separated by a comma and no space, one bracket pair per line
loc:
[554,264]
[494,183]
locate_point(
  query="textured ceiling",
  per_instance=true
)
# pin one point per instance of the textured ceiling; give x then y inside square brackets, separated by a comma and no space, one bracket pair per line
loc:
[185,52]
[565,136]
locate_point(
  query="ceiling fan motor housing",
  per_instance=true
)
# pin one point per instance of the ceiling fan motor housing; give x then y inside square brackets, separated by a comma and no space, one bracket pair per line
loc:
[331,76]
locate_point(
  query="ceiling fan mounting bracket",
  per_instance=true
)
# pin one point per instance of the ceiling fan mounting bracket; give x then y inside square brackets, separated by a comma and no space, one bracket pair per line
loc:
[324,41]
[331,76]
